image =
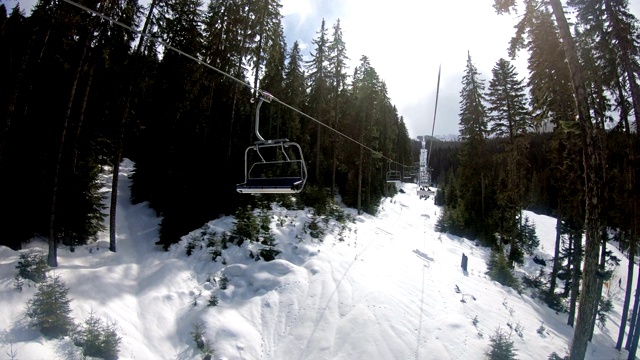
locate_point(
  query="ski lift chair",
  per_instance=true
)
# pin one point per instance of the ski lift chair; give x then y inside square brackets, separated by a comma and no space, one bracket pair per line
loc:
[393,176]
[272,166]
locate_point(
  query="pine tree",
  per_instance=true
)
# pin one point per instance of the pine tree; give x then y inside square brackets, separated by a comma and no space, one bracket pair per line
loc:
[508,111]
[337,66]
[365,97]
[97,339]
[317,79]
[246,225]
[294,91]
[268,33]
[592,141]
[552,102]
[473,177]
[501,347]
[49,309]
[509,119]
[273,82]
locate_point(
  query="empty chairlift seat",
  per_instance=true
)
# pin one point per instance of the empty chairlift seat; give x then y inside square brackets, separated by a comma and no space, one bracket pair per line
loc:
[273,167]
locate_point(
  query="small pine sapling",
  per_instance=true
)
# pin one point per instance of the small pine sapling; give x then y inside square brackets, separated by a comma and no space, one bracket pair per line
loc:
[212,239]
[32,266]
[501,347]
[97,339]
[604,307]
[215,253]
[224,282]
[213,300]
[50,308]
[542,330]
[555,356]
[519,330]
[198,335]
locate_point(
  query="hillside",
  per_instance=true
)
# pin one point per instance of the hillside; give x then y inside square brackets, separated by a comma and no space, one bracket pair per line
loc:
[377,287]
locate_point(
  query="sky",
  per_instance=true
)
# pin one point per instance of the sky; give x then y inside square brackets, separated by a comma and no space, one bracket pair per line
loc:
[406,43]
[375,287]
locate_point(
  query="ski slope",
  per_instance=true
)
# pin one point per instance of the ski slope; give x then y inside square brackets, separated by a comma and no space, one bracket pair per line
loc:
[383,287]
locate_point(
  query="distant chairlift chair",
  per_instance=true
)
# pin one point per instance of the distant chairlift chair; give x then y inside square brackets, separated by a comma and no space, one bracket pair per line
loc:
[393,176]
[277,166]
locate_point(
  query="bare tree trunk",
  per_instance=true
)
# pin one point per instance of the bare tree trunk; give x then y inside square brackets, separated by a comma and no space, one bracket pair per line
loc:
[360,179]
[627,296]
[556,258]
[145,27]
[603,259]
[52,258]
[593,149]
[232,120]
[44,46]
[117,159]
[85,99]
[634,317]
[635,326]
[235,99]
[317,164]
[334,165]
[482,196]
[576,238]
[567,282]
[369,182]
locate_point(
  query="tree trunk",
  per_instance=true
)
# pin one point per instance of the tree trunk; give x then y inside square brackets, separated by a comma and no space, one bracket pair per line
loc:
[594,178]
[603,259]
[117,159]
[317,164]
[85,99]
[482,196]
[567,282]
[634,316]
[334,166]
[556,259]
[44,46]
[360,179]
[52,257]
[232,120]
[627,296]
[336,114]
[635,326]
[576,238]
[145,27]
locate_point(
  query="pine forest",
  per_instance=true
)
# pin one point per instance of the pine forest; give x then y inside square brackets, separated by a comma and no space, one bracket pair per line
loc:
[82,92]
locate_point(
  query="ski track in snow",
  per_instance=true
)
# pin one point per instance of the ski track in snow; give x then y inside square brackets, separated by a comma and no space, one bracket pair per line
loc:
[388,291]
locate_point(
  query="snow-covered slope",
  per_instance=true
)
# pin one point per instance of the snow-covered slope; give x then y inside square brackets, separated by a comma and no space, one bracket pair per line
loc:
[383,287]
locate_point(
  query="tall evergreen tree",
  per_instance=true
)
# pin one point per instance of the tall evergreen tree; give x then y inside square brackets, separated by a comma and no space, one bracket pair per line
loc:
[594,166]
[317,103]
[294,91]
[510,120]
[337,68]
[552,102]
[473,176]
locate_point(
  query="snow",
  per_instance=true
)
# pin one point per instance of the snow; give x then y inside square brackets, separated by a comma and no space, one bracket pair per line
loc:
[383,287]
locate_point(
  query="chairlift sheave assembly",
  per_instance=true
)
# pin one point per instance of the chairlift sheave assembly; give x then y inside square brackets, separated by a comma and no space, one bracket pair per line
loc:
[272,166]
